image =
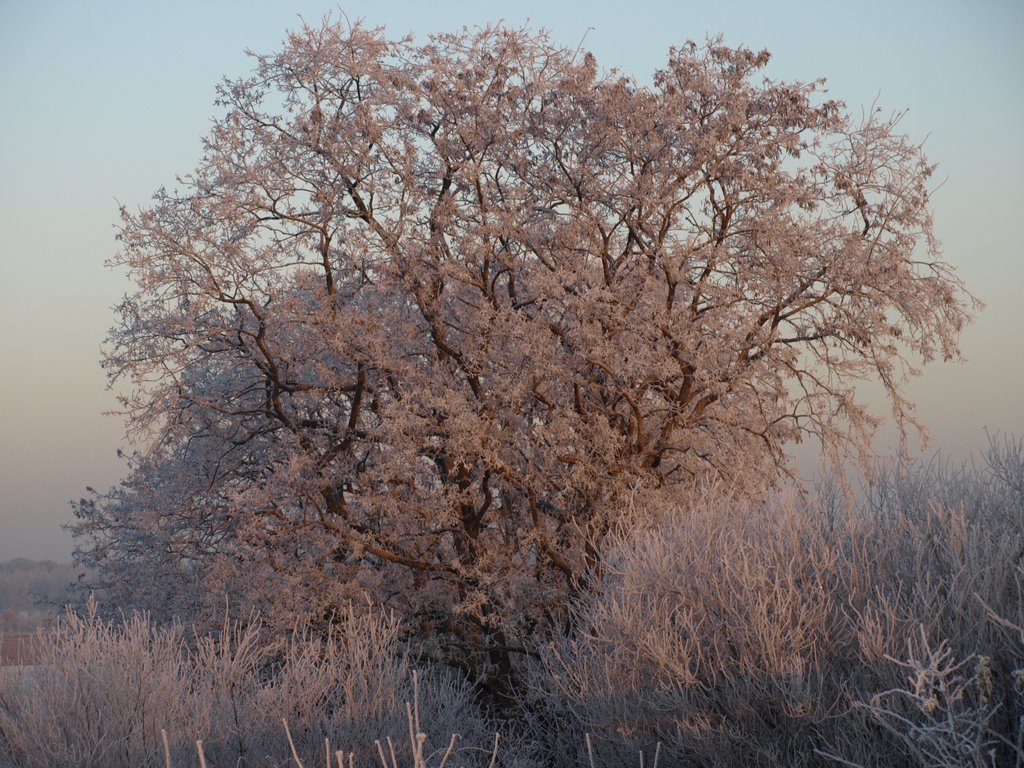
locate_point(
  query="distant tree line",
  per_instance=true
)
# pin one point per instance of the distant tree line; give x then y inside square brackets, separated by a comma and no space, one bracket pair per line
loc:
[32,592]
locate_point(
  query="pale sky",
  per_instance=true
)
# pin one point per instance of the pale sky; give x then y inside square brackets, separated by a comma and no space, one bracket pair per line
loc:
[102,102]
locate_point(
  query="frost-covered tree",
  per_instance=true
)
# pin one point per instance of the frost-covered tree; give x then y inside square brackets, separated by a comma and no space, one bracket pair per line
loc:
[427,317]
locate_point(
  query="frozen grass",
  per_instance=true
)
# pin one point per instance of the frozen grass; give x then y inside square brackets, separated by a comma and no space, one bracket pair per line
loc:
[724,633]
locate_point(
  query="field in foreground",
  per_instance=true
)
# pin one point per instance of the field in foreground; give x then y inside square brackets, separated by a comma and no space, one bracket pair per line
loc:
[780,633]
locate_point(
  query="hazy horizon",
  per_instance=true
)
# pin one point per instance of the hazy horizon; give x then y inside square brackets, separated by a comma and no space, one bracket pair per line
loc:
[106,102]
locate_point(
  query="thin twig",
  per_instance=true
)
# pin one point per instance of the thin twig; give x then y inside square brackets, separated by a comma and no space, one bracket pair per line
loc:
[494,754]
[448,752]
[167,748]
[417,757]
[291,743]
[837,759]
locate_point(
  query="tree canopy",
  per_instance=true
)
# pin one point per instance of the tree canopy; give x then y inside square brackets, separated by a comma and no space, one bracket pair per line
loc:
[428,318]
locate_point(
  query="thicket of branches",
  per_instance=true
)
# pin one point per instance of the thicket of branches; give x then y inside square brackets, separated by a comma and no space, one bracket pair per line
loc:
[427,318]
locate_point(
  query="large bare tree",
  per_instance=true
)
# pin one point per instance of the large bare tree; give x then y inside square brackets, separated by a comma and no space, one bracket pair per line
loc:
[427,319]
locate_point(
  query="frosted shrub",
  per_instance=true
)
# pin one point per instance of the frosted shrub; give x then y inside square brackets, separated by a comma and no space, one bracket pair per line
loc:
[349,685]
[776,632]
[707,637]
[103,692]
[943,712]
[99,695]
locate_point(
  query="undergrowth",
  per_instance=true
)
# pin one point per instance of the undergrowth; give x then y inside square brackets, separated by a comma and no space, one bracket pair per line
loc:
[719,632]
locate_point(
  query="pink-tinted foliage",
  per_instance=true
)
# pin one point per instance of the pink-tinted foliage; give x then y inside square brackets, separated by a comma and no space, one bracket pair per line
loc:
[425,316]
